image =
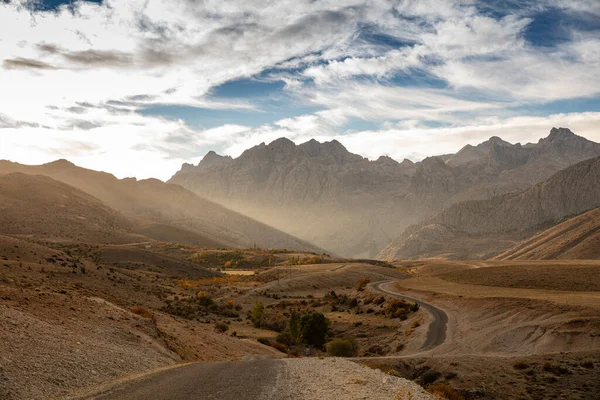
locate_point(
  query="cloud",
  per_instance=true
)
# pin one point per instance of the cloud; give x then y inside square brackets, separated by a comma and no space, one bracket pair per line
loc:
[78,80]
[25,63]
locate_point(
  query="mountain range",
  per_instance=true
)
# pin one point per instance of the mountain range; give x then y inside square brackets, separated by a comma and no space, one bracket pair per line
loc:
[340,201]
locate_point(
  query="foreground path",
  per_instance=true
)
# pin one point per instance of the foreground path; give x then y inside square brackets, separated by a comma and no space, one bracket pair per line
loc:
[269,379]
[436,334]
[205,380]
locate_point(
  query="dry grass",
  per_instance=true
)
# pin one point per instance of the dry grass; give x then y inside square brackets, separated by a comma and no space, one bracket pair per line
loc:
[443,390]
[216,281]
[564,277]
[142,311]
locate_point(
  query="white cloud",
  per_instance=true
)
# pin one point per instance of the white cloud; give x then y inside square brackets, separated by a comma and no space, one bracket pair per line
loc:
[72,82]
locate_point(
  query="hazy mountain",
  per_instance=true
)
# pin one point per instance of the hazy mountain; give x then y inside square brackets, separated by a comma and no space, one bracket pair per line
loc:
[341,201]
[477,229]
[42,207]
[165,211]
[578,238]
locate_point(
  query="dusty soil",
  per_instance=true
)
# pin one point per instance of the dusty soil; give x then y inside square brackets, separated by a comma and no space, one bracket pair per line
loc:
[564,277]
[338,379]
[537,377]
[67,323]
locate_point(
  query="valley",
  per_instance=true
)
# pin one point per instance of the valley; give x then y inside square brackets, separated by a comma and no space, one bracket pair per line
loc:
[133,303]
[300,200]
[109,288]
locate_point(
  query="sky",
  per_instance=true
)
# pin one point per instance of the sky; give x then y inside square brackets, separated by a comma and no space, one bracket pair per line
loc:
[136,88]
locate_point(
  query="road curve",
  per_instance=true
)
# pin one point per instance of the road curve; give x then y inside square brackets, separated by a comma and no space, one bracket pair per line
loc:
[436,334]
[228,380]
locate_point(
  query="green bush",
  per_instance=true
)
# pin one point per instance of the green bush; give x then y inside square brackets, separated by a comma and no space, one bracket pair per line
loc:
[342,348]
[313,329]
[294,326]
[285,338]
[258,313]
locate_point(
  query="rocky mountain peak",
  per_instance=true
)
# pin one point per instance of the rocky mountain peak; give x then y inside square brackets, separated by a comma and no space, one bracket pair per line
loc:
[386,160]
[212,159]
[560,134]
[495,140]
[282,144]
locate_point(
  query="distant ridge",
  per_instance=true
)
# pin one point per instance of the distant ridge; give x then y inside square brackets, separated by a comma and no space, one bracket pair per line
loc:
[502,220]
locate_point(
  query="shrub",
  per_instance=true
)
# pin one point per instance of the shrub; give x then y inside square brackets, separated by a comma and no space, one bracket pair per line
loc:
[429,377]
[342,348]
[521,365]
[555,369]
[204,300]
[263,340]
[275,345]
[258,313]
[294,326]
[362,284]
[221,327]
[279,346]
[445,391]
[399,309]
[285,338]
[142,311]
[313,328]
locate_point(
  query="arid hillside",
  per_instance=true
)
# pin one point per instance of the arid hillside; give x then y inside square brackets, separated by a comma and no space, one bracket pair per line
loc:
[158,204]
[481,229]
[42,207]
[575,239]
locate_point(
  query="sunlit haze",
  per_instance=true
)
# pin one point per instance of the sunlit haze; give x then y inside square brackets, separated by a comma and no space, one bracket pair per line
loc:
[137,88]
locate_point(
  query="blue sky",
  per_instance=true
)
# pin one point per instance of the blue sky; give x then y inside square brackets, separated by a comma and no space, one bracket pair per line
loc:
[139,87]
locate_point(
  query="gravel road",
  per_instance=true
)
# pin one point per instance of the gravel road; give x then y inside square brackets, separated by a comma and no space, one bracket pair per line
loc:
[270,379]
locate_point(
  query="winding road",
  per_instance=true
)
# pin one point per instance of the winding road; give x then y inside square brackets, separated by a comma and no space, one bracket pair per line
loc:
[436,334]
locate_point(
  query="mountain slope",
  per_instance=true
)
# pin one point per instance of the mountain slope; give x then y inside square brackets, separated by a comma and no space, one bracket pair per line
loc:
[324,194]
[175,209]
[577,238]
[502,219]
[43,207]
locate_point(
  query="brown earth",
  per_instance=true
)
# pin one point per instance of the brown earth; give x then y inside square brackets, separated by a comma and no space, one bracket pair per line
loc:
[575,239]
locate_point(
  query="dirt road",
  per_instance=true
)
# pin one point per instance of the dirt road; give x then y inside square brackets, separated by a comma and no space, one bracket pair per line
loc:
[436,333]
[269,379]
[210,380]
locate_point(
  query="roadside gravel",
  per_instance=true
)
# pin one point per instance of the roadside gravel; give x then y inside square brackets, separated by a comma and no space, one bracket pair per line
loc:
[338,379]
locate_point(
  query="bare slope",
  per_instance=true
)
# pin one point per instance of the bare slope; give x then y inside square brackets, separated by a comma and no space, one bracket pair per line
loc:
[161,203]
[39,206]
[498,221]
[577,238]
